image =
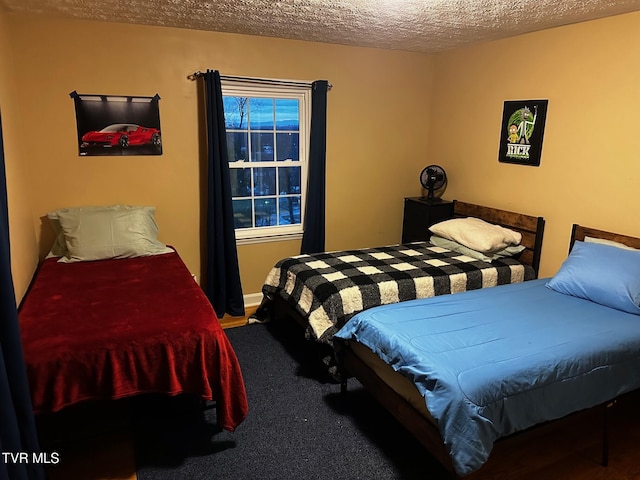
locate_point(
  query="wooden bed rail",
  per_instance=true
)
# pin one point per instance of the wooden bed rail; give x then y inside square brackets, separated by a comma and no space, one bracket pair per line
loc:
[579,232]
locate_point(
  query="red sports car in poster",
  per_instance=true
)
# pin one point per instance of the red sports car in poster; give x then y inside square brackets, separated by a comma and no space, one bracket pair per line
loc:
[121,135]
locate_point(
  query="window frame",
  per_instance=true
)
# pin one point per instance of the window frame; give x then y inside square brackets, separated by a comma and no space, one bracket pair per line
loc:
[274,90]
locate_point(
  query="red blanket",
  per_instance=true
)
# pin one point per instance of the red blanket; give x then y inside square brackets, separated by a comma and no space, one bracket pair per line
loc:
[114,328]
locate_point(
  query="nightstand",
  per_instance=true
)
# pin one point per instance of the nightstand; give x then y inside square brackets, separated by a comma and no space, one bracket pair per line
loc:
[420,213]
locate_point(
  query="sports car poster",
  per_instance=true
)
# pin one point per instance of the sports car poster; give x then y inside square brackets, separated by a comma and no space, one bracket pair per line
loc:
[117,125]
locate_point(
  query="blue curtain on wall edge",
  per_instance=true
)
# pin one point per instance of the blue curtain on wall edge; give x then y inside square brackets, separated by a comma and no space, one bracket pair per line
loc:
[17,423]
[313,238]
[222,281]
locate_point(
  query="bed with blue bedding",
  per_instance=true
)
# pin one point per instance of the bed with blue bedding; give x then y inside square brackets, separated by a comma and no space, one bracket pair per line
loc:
[489,363]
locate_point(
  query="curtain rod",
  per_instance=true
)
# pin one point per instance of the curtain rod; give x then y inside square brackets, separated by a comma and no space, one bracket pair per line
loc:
[270,81]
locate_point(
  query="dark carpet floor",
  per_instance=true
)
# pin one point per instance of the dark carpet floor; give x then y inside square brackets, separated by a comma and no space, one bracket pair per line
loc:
[299,425]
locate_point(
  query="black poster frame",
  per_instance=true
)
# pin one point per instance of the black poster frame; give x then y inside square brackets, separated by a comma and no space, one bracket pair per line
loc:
[522,131]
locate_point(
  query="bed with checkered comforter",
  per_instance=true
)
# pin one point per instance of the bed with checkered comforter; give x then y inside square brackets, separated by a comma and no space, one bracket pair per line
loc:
[327,289]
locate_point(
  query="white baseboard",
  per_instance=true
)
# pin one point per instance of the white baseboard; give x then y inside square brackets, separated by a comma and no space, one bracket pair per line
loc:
[252,299]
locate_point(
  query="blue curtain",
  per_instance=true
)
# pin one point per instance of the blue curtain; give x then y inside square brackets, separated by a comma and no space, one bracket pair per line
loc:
[17,425]
[314,218]
[222,277]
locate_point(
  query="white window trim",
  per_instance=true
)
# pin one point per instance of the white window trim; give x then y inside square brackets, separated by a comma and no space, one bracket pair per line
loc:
[302,92]
[268,239]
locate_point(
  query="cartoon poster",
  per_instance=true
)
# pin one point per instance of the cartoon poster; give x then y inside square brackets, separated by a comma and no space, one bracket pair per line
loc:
[522,131]
[117,125]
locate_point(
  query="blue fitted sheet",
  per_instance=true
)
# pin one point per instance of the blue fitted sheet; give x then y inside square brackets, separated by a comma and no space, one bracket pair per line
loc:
[495,361]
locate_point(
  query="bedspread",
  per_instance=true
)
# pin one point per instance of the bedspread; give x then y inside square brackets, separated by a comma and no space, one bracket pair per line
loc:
[109,329]
[329,288]
[493,362]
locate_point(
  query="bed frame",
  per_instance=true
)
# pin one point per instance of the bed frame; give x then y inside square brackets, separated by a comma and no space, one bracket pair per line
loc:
[531,228]
[425,431]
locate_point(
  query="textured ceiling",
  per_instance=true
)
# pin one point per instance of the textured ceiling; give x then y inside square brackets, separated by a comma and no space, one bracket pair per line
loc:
[415,25]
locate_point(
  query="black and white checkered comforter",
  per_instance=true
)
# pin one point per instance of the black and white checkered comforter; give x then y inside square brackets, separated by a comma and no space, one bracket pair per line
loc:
[329,288]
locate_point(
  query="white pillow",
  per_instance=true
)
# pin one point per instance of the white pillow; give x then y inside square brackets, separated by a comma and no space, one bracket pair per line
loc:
[510,251]
[477,234]
[611,243]
[118,231]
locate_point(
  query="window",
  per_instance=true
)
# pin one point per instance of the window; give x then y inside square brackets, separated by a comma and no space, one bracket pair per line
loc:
[267,143]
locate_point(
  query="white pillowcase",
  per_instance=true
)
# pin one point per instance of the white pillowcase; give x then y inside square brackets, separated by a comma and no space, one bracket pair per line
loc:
[117,231]
[510,251]
[477,234]
[611,243]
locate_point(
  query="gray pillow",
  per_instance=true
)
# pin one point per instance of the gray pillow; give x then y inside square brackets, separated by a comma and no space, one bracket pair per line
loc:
[117,231]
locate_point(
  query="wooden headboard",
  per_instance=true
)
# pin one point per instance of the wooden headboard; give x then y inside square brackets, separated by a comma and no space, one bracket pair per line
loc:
[578,232]
[531,228]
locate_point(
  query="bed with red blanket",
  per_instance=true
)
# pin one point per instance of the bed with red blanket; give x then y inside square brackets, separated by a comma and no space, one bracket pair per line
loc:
[114,328]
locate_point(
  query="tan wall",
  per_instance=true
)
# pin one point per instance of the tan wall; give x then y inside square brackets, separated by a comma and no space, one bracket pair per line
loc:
[24,252]
[380,122]
[376,143]
[590,171]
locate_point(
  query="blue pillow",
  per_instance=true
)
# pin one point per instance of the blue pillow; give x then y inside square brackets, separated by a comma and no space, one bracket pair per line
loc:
[603,274]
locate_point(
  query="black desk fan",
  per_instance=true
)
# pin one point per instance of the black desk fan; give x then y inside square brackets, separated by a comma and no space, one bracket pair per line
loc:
[433,178]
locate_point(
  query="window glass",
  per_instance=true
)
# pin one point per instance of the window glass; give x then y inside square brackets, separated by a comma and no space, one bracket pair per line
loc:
[240,182]
[237,146]
[289,210]
[261,147]
[264,181]
[287,146]
[235,111]
[287,117]
[266,212]
[242,213]
[261,113]
[288,180]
